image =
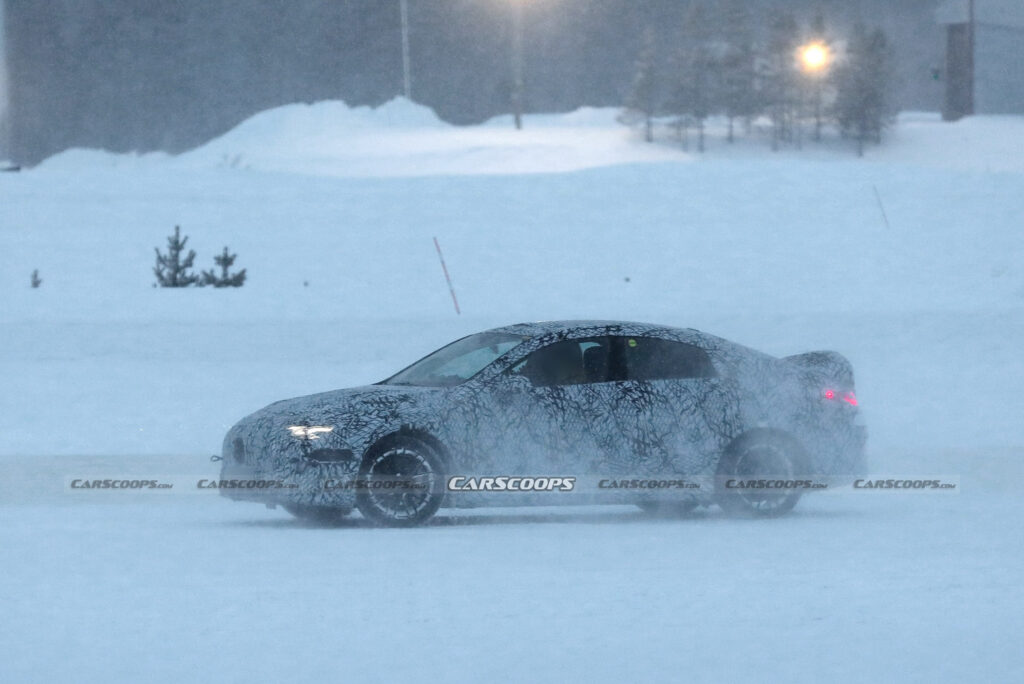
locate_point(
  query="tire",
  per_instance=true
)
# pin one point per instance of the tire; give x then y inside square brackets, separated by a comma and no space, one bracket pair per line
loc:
[760,456]
[324,515]
[401,461]
[667,509]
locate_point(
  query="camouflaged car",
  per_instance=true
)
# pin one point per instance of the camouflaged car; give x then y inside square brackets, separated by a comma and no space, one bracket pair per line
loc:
[560,412]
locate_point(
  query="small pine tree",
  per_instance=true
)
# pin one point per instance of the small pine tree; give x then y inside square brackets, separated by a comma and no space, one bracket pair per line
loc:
[863,107]
[818,34]
[695,70]
[171,269]
[738,92]
[36,280]
[643,97]
[226,279]
[779,77]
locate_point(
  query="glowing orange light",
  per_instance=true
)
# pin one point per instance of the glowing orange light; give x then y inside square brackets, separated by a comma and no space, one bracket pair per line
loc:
[814,57]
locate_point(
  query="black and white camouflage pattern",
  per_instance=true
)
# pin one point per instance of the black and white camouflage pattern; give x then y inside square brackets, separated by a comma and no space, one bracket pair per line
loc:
[492,425]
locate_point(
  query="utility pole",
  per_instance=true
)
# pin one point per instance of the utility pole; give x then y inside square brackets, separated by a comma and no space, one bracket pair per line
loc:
[5,105]
[406,75]
[960,61]
[817,110]
[970,57]
[517,62]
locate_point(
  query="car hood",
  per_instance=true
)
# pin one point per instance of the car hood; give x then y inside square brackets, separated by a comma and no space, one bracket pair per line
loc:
[337,406]
[346,420]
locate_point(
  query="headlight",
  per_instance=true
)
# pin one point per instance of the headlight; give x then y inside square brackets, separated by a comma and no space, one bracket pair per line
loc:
[309,431]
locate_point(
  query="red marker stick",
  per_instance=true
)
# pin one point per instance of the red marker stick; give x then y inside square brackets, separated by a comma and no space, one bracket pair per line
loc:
[447,278]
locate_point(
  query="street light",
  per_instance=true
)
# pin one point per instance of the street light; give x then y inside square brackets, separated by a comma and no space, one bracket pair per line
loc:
[814,57]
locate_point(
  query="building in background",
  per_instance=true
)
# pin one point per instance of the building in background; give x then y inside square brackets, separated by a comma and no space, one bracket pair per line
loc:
[144,75]
[4,144]
[984,57]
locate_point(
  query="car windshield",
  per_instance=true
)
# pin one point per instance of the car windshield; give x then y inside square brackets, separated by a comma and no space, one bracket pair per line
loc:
[458,361]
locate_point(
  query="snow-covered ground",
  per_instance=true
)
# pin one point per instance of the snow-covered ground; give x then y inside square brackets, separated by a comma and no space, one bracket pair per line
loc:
[873,587]
[909,261]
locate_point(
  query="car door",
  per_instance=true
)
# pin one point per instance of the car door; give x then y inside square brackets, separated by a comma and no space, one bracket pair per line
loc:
[673,410]
[557,402]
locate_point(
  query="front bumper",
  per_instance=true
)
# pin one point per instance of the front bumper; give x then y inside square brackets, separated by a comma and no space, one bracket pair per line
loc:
[285,472]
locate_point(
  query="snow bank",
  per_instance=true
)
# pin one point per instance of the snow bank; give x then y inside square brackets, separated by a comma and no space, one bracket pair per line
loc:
[976,143]
[401,138]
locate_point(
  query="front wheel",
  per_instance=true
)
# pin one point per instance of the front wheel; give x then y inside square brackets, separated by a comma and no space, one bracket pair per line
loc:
[401,483]
[754,473]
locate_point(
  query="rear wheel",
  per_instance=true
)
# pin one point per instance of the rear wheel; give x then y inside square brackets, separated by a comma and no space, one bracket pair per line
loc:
[402,482]
[753,474]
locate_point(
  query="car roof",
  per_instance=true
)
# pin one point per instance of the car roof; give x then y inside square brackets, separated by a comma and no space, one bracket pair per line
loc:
[545,327]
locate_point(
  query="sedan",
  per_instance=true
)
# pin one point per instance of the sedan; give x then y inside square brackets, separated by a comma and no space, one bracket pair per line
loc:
[564,412]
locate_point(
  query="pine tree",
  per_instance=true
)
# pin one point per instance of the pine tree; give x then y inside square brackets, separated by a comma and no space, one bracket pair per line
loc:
[779,75]
[693,92]
[643,97]
[738,94]
[818,35]
[171,269]
[863,107]
[226,278]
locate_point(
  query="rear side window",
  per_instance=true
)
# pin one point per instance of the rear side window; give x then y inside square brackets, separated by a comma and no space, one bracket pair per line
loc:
[648,358]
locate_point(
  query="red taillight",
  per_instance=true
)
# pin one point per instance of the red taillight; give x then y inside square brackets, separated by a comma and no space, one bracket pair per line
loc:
[849,397]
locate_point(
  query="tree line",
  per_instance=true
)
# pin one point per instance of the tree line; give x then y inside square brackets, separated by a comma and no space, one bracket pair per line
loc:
[723,60]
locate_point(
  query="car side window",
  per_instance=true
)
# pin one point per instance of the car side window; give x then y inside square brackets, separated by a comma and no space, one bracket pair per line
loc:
[649,358]
[568,362]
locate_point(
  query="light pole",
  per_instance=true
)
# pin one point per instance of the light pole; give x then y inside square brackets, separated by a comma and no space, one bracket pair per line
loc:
[517,62]
[971,25]
[406,75]
[814,62]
